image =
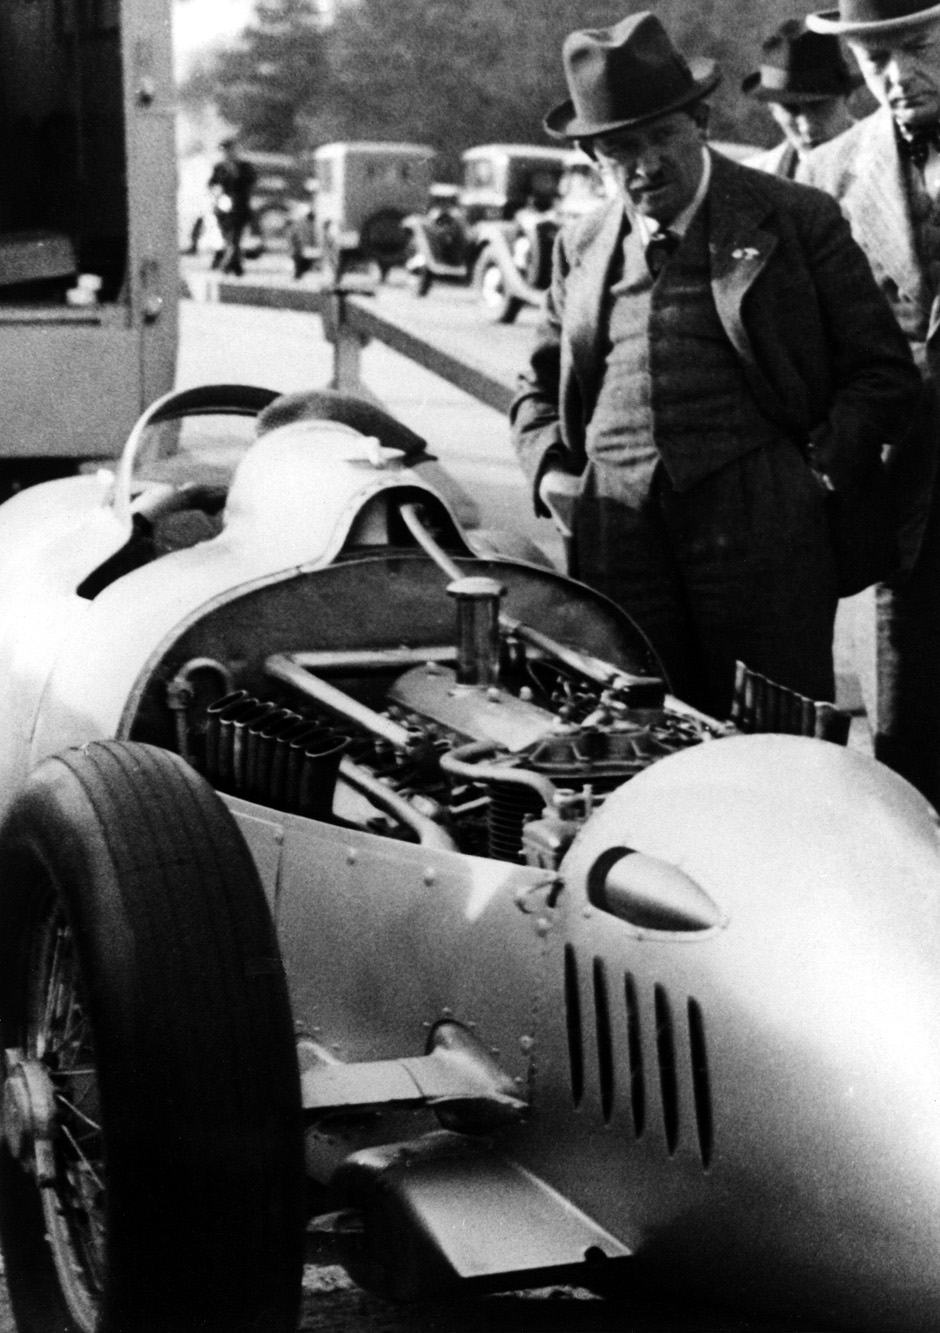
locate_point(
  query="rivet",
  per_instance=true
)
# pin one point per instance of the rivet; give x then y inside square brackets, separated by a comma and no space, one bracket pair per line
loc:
[352,856]
[430,877]
[526,1044]
[543,926]
[494,1050]
[587,912]
[279,837]
[447,1013]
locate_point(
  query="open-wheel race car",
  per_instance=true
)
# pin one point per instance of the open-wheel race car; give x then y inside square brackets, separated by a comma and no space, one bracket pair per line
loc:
[352,880]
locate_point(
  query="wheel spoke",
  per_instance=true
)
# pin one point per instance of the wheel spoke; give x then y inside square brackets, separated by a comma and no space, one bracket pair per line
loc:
[83,1161]
[58,1035]
[77,1111]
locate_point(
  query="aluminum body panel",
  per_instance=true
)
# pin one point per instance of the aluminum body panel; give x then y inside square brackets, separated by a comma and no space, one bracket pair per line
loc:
[355,909]
[787,1123]
[50,537]
[295,497]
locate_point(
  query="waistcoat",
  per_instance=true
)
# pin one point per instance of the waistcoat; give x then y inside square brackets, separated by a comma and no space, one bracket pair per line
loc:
[673,386]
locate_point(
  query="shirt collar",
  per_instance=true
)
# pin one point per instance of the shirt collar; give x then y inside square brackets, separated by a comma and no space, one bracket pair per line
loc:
[648,227]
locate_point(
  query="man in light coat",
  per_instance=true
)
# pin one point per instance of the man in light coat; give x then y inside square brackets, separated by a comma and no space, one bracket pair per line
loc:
[715,362]
[885,173]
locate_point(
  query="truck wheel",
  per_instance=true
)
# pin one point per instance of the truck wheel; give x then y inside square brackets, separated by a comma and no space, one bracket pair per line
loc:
[500,305]
[151,1161]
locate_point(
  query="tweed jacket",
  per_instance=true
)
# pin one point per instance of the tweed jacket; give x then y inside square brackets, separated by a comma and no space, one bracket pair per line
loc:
[779,161]
[862,170]
[819,347]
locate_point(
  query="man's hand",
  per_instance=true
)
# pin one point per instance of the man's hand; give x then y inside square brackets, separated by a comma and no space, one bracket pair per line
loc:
[558,491]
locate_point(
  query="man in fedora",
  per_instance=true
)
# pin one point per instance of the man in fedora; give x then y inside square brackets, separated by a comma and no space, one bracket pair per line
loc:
[885,172]
[715,357]
[805,83]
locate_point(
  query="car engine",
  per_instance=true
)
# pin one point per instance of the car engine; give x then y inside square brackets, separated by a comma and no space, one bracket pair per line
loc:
[502,745]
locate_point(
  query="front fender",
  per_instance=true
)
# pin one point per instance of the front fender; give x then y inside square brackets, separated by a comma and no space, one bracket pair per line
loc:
[496,243]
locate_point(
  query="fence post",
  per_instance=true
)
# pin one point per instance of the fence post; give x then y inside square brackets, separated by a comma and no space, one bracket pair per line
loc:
[347,346]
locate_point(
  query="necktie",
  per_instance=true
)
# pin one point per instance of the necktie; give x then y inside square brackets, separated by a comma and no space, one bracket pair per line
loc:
[659,247]
[916,147]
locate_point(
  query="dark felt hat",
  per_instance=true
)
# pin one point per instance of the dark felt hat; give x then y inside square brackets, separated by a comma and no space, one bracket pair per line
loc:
[800,66]
[623,76]
[872,16]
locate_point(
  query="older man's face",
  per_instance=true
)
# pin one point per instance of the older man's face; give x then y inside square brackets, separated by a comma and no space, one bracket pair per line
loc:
[657,166]
[902,69]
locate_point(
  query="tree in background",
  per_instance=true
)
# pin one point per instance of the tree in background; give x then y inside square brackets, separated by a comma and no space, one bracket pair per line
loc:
[452,73]
[262,83]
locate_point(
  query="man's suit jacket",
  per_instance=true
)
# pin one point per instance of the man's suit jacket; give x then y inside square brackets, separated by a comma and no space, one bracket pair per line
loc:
[779,161]
[819,347]
[862,170]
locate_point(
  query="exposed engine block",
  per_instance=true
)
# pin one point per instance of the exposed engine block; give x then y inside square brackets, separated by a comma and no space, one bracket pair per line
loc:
[508,770]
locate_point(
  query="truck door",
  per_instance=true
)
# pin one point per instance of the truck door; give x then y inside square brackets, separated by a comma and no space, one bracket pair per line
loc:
[87,223]
[152,188]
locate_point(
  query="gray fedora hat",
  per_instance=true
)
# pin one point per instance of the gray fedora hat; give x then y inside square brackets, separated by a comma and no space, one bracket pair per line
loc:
[872,16]
[625,75]
[800,66]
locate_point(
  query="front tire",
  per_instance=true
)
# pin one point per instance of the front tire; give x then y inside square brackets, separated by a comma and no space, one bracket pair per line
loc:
[500,305]
[151,1167]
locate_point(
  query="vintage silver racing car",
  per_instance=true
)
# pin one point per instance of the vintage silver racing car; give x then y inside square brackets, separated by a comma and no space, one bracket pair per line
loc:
[353,881]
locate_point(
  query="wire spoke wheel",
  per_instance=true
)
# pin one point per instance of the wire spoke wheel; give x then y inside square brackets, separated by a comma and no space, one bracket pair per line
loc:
[151,1158]
[58,1040]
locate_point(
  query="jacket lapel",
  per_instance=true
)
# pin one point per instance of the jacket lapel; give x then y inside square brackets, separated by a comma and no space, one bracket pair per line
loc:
[587,291]
[739,246]
[875,198]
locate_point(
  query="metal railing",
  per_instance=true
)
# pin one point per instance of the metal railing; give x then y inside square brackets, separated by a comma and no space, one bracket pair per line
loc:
[351,320]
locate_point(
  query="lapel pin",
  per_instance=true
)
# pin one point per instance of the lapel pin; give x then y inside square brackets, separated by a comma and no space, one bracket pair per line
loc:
[745,252]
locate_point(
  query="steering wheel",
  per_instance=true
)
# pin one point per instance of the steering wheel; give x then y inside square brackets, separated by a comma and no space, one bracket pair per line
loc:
[244,400]
[272,410]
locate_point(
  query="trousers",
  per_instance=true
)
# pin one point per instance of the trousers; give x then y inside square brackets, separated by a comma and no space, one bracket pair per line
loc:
[739,566]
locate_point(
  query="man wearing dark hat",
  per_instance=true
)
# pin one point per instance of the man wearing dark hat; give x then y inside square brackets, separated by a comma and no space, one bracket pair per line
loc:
[885,172]
[805,83]
[231,184]
[716,356]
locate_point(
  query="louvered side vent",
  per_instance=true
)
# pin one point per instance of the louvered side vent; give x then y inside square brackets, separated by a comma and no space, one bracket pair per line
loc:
[666,1060]
[573,1020]
[701,1083]
[605,1051]
[635,1057]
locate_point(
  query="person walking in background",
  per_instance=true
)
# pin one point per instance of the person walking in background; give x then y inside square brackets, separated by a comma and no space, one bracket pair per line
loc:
[231,184]
[805,82]
[885,173]
[716,358]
